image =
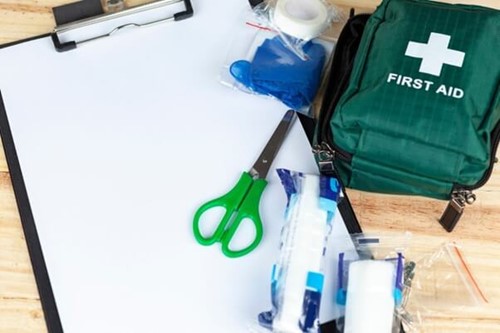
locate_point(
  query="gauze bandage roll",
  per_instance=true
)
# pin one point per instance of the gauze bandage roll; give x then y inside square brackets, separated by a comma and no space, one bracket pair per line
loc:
[298,275]
[370,297]
[302,253]
[303,19]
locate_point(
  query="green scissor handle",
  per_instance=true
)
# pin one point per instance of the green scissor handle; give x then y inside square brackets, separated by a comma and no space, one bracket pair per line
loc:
[241,202]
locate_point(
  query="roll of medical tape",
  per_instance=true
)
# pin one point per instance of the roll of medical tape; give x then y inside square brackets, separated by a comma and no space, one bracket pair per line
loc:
[303,19]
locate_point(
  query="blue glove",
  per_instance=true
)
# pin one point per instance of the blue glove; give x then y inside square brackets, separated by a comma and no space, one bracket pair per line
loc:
[279,72]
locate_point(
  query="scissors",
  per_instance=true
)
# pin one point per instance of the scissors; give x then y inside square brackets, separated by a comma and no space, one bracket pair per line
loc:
[242,201]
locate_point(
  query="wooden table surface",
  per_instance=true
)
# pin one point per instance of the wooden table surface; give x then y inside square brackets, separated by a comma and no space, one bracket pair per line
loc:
[478,232]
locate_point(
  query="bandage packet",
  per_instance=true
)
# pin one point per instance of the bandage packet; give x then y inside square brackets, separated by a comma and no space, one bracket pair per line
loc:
[370,284]
[263,60]
[298,275]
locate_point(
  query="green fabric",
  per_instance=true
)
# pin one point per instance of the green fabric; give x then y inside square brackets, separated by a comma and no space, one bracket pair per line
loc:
[420,130]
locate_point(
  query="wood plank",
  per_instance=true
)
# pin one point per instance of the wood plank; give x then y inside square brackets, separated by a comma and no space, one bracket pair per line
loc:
[20,307]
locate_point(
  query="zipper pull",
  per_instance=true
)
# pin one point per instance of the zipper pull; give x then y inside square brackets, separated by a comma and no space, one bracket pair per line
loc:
[455,208]
[325,155]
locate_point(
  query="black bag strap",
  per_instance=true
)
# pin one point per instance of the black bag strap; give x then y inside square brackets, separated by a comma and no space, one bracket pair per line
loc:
[340,69]
[254,3]
[309,126]
[343,58]
[345,51]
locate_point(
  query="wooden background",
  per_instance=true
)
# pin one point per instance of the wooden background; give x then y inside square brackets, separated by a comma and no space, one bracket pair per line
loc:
[478,232]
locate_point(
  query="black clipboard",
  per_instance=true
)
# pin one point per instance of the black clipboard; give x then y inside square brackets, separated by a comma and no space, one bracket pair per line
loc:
[39,263]
[68,17]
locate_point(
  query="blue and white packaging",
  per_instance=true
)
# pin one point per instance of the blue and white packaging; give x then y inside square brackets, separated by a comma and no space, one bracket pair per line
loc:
[298,275]
[370,282]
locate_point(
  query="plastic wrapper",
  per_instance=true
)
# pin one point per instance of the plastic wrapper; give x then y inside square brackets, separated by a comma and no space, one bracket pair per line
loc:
[265,61]
[298,21]
[370,283]
[439,283]
[298,275]
[391,293]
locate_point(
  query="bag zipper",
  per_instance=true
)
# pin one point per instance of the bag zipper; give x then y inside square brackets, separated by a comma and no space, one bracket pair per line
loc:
[455,208]
[326,156]
[462,194]
[325,145]
[326,150]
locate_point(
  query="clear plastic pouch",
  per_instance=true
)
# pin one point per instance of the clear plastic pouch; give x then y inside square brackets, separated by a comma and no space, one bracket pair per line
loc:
[265,61]
[441,282]
[298,21]
[298,275]
[380,259]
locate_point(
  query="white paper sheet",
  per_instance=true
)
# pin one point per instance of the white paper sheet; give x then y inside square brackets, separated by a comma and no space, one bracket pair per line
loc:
[119,142]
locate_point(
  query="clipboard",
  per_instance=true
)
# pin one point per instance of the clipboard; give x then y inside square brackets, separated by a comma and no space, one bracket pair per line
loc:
[113,21]
[111,147]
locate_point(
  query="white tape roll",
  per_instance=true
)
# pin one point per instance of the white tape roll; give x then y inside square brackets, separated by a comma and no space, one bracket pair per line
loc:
[304,19]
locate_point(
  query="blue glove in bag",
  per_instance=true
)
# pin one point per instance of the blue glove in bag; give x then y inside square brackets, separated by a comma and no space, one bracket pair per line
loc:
[277,71]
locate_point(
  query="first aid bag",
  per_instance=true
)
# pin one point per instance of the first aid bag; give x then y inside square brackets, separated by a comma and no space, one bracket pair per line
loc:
[413,102]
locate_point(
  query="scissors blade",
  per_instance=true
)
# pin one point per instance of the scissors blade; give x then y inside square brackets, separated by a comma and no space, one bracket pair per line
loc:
[263,163]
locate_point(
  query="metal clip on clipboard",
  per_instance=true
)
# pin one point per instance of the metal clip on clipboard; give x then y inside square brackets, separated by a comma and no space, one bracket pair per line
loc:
[85,21]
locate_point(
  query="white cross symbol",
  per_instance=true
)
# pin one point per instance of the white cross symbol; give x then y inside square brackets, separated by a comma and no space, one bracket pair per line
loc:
[435,54]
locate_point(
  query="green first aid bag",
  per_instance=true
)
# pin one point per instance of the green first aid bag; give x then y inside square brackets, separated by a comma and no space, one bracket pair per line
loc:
[413,102]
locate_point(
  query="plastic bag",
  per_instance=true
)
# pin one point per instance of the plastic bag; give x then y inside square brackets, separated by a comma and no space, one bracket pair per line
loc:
[441,282]
[298,21]
[298,275]
[370,283]
[263,60]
